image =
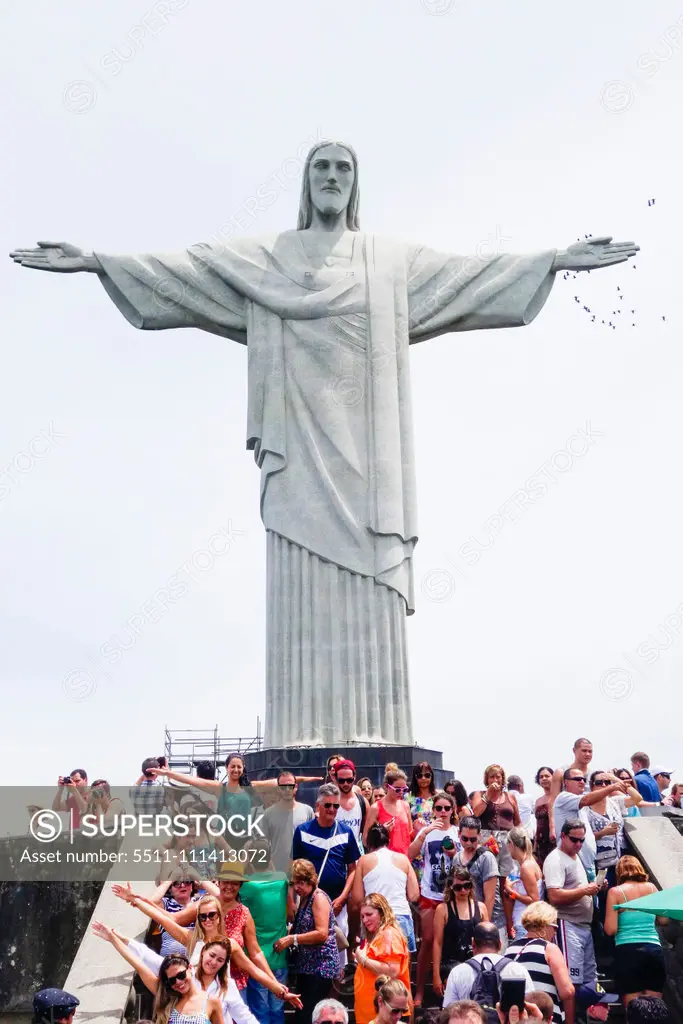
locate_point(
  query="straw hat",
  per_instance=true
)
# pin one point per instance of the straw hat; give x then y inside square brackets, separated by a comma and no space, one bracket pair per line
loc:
[231,872]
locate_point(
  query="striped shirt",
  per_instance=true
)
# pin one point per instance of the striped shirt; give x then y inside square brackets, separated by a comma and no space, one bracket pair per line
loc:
[530,953]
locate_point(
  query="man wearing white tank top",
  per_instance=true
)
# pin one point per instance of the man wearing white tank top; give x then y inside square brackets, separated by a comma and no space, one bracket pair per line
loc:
[390,874]
[353,806]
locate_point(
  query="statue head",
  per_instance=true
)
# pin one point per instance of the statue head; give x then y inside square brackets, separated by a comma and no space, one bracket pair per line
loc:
[330,184]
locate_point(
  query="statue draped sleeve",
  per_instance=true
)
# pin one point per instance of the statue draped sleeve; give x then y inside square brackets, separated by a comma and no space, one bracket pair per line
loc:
[469,293]
[156,292]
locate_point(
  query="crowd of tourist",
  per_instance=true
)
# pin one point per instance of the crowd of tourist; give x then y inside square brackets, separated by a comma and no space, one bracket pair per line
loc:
[510,902]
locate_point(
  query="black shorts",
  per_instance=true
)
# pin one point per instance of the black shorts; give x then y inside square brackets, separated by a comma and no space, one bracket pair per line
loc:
[639,967]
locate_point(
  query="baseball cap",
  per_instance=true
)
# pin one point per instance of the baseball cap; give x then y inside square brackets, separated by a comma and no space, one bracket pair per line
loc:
[661,770]
[345,763]
[54,1003]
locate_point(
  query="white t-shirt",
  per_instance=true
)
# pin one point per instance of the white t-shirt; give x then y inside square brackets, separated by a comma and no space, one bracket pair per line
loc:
[437,863]
[527,806]
[461,979]
[567,806]
[560,871]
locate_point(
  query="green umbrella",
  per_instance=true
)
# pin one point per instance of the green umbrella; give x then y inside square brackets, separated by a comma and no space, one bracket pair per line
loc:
[667,903]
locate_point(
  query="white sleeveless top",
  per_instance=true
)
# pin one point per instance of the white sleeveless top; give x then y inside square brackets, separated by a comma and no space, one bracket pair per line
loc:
[388,880]
[353,819]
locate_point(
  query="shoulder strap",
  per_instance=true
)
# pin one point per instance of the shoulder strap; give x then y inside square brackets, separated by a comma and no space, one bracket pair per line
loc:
[327,853]
[502,964]
[528,944]
[363,812]
[475,965]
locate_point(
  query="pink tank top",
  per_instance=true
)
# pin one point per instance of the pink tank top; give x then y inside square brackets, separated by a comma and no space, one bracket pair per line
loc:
[399,837]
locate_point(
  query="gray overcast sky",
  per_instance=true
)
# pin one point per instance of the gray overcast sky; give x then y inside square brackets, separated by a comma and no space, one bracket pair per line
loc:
[521,125]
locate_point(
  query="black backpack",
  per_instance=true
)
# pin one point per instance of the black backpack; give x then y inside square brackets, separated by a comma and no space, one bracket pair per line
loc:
[486,987]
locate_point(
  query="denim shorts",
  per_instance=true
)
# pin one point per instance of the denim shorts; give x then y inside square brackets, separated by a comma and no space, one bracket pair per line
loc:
[405,923]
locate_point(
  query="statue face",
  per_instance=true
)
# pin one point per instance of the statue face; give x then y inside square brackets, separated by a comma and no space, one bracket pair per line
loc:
[331,177]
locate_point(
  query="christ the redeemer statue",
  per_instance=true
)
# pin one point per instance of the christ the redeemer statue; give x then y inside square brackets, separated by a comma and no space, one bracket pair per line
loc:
[327,314]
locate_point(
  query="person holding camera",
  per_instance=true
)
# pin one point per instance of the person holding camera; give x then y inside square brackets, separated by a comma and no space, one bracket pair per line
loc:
[73,795]
[438,843]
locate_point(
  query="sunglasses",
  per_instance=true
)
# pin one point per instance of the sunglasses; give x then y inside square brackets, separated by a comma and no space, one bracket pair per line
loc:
[459,886]
[395,1011]
[209,916]
[342,779]
[180,976]
[178,884]
[576,778]
[329,807]
[575,839]
[286,785]
[469,839]
[663,775]
[443,807]
[423,775]
[401,790]
[602,782]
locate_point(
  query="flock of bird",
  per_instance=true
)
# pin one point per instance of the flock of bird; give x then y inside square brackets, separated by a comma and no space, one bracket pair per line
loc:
[620,298]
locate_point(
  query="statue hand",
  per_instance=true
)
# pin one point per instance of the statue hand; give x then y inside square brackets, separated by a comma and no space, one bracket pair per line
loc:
[56,256]
[593,253]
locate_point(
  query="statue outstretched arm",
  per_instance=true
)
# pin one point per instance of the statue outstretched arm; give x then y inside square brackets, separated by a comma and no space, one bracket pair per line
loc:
[59,257]
[153,292]
[593,253]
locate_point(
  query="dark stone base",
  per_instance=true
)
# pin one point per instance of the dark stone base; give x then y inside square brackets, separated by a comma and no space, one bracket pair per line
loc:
[369,760]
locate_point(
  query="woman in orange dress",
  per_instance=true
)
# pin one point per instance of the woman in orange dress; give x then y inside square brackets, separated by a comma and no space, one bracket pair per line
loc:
[383,952]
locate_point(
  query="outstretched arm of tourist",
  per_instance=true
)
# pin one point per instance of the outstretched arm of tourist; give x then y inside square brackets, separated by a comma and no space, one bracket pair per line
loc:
[412,886]
[273,782]
[254,951]
[120,943]
[208,785]
[167,921]
[242,962]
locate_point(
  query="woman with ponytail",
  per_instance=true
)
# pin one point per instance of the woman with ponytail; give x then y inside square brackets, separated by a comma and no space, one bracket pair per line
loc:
[391,996]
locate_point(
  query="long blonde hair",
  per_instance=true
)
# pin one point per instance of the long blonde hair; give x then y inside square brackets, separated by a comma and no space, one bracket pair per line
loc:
[199,931]
[387,918]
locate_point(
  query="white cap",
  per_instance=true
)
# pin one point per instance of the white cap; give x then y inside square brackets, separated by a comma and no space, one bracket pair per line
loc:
[661,770]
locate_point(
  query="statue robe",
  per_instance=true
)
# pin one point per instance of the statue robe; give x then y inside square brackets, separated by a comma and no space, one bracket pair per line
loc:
[330,424]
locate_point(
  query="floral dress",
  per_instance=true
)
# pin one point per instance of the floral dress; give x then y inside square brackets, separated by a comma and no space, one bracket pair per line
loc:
[235,920]
[420,807]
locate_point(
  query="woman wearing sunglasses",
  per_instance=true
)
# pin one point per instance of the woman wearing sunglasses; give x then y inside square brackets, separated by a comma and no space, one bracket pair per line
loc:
[454,922]
[178,997]
[392,811]
[420,800]
[173,895]
[606,819]
[209,927]
[438,842]
[392,1001]
[383,952]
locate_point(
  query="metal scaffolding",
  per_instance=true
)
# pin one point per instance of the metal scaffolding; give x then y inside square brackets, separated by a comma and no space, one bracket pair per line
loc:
[183,747]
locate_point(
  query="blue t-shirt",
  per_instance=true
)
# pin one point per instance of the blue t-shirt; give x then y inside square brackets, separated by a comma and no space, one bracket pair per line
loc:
[647,786]
[311,842]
